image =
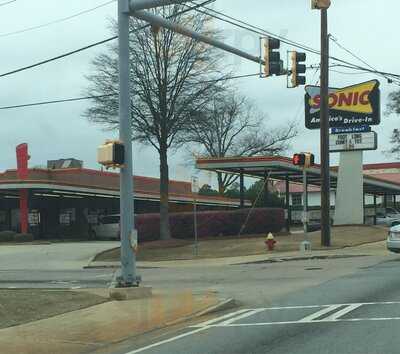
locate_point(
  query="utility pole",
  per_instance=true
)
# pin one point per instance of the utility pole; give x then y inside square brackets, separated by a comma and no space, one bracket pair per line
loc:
[128,262]
[325,173]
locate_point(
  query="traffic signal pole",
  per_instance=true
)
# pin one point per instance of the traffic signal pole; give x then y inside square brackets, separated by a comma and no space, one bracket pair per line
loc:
[128,262]
[324,131]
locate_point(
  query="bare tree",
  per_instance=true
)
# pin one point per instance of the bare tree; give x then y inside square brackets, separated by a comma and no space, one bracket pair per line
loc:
[231,126]
[171,77]
[393,107]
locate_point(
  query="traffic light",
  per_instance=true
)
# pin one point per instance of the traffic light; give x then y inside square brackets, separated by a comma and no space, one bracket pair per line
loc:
[304,160]
[320,4]
[111,154]
[273,64]
[298,68]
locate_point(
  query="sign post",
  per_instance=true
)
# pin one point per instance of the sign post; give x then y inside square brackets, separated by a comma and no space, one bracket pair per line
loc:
[324,131]
[305,245]
[352,110]
[195,190]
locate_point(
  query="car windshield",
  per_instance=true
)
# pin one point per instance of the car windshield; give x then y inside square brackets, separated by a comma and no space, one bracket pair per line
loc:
[199,177]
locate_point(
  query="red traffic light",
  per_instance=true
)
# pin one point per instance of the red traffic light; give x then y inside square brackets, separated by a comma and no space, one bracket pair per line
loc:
[304,160]
[299,159]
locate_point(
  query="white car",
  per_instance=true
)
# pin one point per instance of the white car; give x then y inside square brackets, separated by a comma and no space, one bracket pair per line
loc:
[393,213]
[106,228]
[393,240]
[390,218]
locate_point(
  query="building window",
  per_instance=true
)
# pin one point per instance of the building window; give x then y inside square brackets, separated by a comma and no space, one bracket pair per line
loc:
[296,199]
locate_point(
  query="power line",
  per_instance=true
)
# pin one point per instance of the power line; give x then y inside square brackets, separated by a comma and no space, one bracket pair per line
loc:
[260,31]
[348,73]
[7,2]
[67,54]
[246,26]
[63,19]
[251,28]
[84,98]
[335,40]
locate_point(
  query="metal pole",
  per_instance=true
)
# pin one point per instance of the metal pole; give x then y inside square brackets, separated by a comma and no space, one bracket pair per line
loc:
[375,209]
[241,184]
[266,189]
[128,266]
[162,22]
[196,245]
[288,221]
[325,175]
[305,205]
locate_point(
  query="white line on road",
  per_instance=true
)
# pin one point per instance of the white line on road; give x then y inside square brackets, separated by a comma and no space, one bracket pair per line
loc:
[169,340]
[319,313]
[259,324]
[244,315]
[207,323]
[103,275]
[335,316]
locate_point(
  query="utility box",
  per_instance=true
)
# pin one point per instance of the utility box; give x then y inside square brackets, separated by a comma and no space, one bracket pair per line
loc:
[111,154]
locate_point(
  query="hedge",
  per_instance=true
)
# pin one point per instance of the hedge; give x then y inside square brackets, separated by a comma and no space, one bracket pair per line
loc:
[11,236]
[23,237]
[212,223]
[7,236]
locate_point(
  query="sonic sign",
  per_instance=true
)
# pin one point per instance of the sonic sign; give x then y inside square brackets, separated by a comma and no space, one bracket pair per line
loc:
[350,106]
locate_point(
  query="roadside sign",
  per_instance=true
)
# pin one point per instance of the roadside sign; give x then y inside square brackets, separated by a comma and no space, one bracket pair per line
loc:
[356,105]
[34,218]
[355,129]
[195,184]
[353,142]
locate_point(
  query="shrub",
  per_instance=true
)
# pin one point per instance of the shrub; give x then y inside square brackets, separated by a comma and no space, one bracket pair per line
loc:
[7,236]
[23,237]
[212,223]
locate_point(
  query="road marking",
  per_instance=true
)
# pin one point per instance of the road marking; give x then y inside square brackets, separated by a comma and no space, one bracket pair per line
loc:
[335,316]
[259,324]
[103,275]
[169,340]
[319,313]
[209,322]
[328,305]
[244,315]
[311,319]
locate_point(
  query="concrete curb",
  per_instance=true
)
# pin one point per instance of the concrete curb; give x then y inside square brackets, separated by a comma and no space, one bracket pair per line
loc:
[222,306]
[304,258]
[335,253]
[114,265]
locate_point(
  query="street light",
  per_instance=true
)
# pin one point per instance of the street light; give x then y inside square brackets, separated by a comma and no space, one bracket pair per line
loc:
[323,5]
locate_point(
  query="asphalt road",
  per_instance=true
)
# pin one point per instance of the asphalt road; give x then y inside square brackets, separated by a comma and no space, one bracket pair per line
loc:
[355,313]
[56,265]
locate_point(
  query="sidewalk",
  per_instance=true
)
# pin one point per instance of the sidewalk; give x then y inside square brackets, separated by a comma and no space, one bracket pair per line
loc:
[369,249]
[89,329]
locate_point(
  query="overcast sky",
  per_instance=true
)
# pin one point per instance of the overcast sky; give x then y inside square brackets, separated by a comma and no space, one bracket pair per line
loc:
[366,27]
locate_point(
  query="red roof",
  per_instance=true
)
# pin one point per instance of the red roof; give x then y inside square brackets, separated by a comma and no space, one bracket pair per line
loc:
[81,177]
[382,166]
[390,177]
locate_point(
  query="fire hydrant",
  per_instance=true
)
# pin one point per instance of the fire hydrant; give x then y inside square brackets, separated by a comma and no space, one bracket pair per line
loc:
[270,242]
